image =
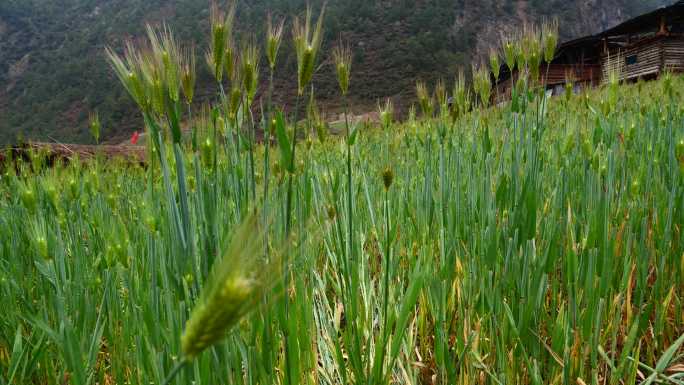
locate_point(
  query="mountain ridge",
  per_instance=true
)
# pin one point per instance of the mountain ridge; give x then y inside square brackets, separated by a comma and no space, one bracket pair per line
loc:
[53,72]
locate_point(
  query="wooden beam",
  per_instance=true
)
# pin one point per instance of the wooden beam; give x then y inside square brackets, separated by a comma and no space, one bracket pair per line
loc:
[663,31]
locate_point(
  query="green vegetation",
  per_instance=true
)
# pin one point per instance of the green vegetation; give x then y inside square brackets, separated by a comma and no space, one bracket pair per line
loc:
[533,243]
[53,72]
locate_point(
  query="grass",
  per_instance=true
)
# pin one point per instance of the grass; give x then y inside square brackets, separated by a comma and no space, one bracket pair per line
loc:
[538,242]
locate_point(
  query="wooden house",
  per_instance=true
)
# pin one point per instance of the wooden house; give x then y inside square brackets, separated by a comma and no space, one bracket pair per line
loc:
[575,60]
[646,46]
[640,48]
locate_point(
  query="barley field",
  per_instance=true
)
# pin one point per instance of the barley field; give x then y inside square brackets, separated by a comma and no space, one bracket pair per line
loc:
[534,242]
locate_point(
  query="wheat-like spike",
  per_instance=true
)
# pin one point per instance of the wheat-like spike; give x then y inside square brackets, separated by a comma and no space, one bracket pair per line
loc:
[250,69]
[494,63]
[300,34]
[236,92]
[342,57]
[424,98]
[274,39]
[386,113]
[129,74]
[440,93]
[508,47]
[482,83]
[95,125]
[221,36]
[307,45]
[461,102]
[233,288]
[172,60]
[550,37]
[188,74]
[230,59]
[218,39]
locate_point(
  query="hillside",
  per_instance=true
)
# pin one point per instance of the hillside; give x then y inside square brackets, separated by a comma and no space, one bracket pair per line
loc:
[53,71]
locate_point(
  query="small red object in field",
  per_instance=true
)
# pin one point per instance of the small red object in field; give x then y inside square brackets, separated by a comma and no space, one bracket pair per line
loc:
[134,138]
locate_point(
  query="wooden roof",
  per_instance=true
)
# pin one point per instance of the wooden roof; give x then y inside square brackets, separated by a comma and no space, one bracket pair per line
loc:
[672,14]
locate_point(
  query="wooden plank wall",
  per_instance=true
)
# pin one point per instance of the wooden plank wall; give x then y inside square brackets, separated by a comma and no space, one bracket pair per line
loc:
[653,57]
[558,73]
[649,61]
[674,54]
[587,75]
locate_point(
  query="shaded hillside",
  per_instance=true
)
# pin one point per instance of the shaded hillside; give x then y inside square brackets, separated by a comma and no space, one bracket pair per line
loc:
[53,72]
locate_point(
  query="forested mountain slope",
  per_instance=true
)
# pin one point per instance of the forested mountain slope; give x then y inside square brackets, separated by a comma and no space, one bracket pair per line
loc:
[53,70]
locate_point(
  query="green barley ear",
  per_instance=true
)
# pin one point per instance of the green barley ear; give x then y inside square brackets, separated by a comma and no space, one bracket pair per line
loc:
[40,239]
[550,37]
[221,35]
[441,94]
[523,80]
[218,41]
[158,100]
[509,50]
[129,72]
[249,70]
[526,39]
[235,100]
[233,289]
[386,113]
[307,44]
[569,85]
[518,98]
[95,126]
[230,61]
[274,39]
[28,198]
[461,98]
[209,60]
[412,122]
[148,71]
[532,49]
[170,61]
[315,117]
[387,178]
[342,57]
[160,65]
[188,75]
[495,64]
[521,49]
[482,84]
[154,61]
[613,86]
[424,98]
